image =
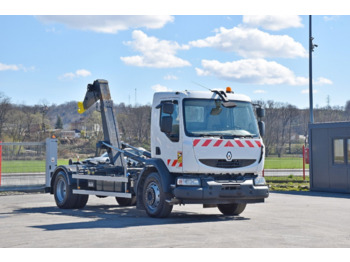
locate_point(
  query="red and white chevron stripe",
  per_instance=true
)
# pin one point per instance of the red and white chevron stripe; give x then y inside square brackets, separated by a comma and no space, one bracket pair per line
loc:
[174,163]
[226,143]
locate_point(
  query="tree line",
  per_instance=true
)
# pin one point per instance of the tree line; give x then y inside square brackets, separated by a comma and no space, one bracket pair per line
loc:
[286,125]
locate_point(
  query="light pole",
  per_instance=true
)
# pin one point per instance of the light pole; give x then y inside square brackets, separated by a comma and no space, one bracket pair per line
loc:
[311,49]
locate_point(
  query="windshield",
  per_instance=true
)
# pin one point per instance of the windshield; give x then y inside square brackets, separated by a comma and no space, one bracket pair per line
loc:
[207,117]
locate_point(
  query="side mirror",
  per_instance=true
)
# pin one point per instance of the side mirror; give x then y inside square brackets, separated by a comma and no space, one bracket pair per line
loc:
[166,124]
[168,108]
[261,128]
[260,112]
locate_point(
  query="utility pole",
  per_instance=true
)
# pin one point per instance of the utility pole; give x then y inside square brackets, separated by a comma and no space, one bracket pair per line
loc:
[311,49]
[135,97]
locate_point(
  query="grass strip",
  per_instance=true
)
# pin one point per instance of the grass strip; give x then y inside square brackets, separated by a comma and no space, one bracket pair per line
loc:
[289,183]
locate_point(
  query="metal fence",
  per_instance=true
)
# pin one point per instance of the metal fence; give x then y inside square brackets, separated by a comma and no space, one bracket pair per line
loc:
[286,165]
[24,164]
[29,164]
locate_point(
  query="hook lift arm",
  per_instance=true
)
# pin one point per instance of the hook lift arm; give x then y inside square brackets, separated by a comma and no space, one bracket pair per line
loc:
[99,90]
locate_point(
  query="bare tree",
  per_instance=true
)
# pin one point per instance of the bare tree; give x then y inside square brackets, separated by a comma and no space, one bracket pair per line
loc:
[5,107]
[347,110]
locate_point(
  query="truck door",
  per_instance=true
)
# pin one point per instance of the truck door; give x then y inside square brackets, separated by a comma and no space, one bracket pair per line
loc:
[168,144]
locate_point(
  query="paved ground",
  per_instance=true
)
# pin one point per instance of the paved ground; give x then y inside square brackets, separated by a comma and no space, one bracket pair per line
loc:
[285,220]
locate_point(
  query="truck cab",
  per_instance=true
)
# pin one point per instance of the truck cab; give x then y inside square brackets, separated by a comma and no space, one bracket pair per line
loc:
[210,143]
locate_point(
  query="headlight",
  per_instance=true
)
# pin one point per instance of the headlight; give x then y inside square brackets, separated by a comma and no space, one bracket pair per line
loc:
[183,181]
[259,181]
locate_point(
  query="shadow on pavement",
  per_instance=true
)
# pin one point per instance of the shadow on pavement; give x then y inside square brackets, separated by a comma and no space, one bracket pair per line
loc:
[109,216]
[313,193]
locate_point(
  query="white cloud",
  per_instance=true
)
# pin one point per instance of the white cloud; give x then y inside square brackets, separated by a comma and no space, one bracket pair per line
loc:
[254,71]
[170,77]
[78,73]
[160,88]
[154,52]
[83,73]
[259,91]
[110,24]
[273,22]
[4,67]
[68,75]
[252,43]
[323,81]
[328,18]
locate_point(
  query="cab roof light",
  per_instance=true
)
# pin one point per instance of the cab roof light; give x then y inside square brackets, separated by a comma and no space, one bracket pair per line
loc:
[229,90]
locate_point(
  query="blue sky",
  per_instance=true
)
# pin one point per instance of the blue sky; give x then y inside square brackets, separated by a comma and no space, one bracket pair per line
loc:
[52,58]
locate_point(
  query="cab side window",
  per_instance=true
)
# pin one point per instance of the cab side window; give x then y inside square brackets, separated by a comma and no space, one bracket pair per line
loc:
[169,120]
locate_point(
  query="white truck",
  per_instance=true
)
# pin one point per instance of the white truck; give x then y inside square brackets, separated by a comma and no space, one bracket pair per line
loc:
[206,148]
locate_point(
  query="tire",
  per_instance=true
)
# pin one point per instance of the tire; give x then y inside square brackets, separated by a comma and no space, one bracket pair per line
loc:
[231,209]
[63,194]
[82,200]
[154,197]
[125,202]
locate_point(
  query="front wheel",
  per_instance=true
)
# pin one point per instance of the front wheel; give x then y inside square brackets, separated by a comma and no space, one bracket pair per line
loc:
[231,209]
[154,197]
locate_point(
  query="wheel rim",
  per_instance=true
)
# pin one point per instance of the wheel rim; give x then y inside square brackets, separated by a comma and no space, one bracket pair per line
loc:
[152,196]
[61,190]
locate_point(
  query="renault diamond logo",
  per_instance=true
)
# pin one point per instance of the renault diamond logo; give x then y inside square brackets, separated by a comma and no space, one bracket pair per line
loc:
[229,156]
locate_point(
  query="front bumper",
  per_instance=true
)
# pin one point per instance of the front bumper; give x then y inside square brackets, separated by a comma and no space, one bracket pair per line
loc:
[221,192]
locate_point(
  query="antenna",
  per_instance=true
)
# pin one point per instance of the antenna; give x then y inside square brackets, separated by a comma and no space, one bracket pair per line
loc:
[201,85]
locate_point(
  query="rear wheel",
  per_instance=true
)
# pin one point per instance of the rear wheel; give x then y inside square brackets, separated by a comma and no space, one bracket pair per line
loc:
[82,200]
[231,209]
[124,202]
[154,197]
[64,196]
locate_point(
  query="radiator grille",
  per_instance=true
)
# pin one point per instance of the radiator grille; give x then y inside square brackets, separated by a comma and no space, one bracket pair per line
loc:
[223,163]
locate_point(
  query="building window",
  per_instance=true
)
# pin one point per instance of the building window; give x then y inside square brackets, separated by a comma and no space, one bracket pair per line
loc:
[338,152]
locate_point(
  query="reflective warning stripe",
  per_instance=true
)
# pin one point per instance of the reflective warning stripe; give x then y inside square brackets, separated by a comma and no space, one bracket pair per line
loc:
[196,141]
[229,143]
[239,143]
[206,142]
[174,163]
[249,143]
[218,143]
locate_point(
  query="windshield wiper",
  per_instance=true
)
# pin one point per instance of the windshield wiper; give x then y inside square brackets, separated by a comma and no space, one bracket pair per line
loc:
[204,135]
[236,136]
[246,136]
[210,135]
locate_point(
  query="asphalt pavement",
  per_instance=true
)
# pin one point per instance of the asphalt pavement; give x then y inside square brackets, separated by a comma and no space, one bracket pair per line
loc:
[304,219]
